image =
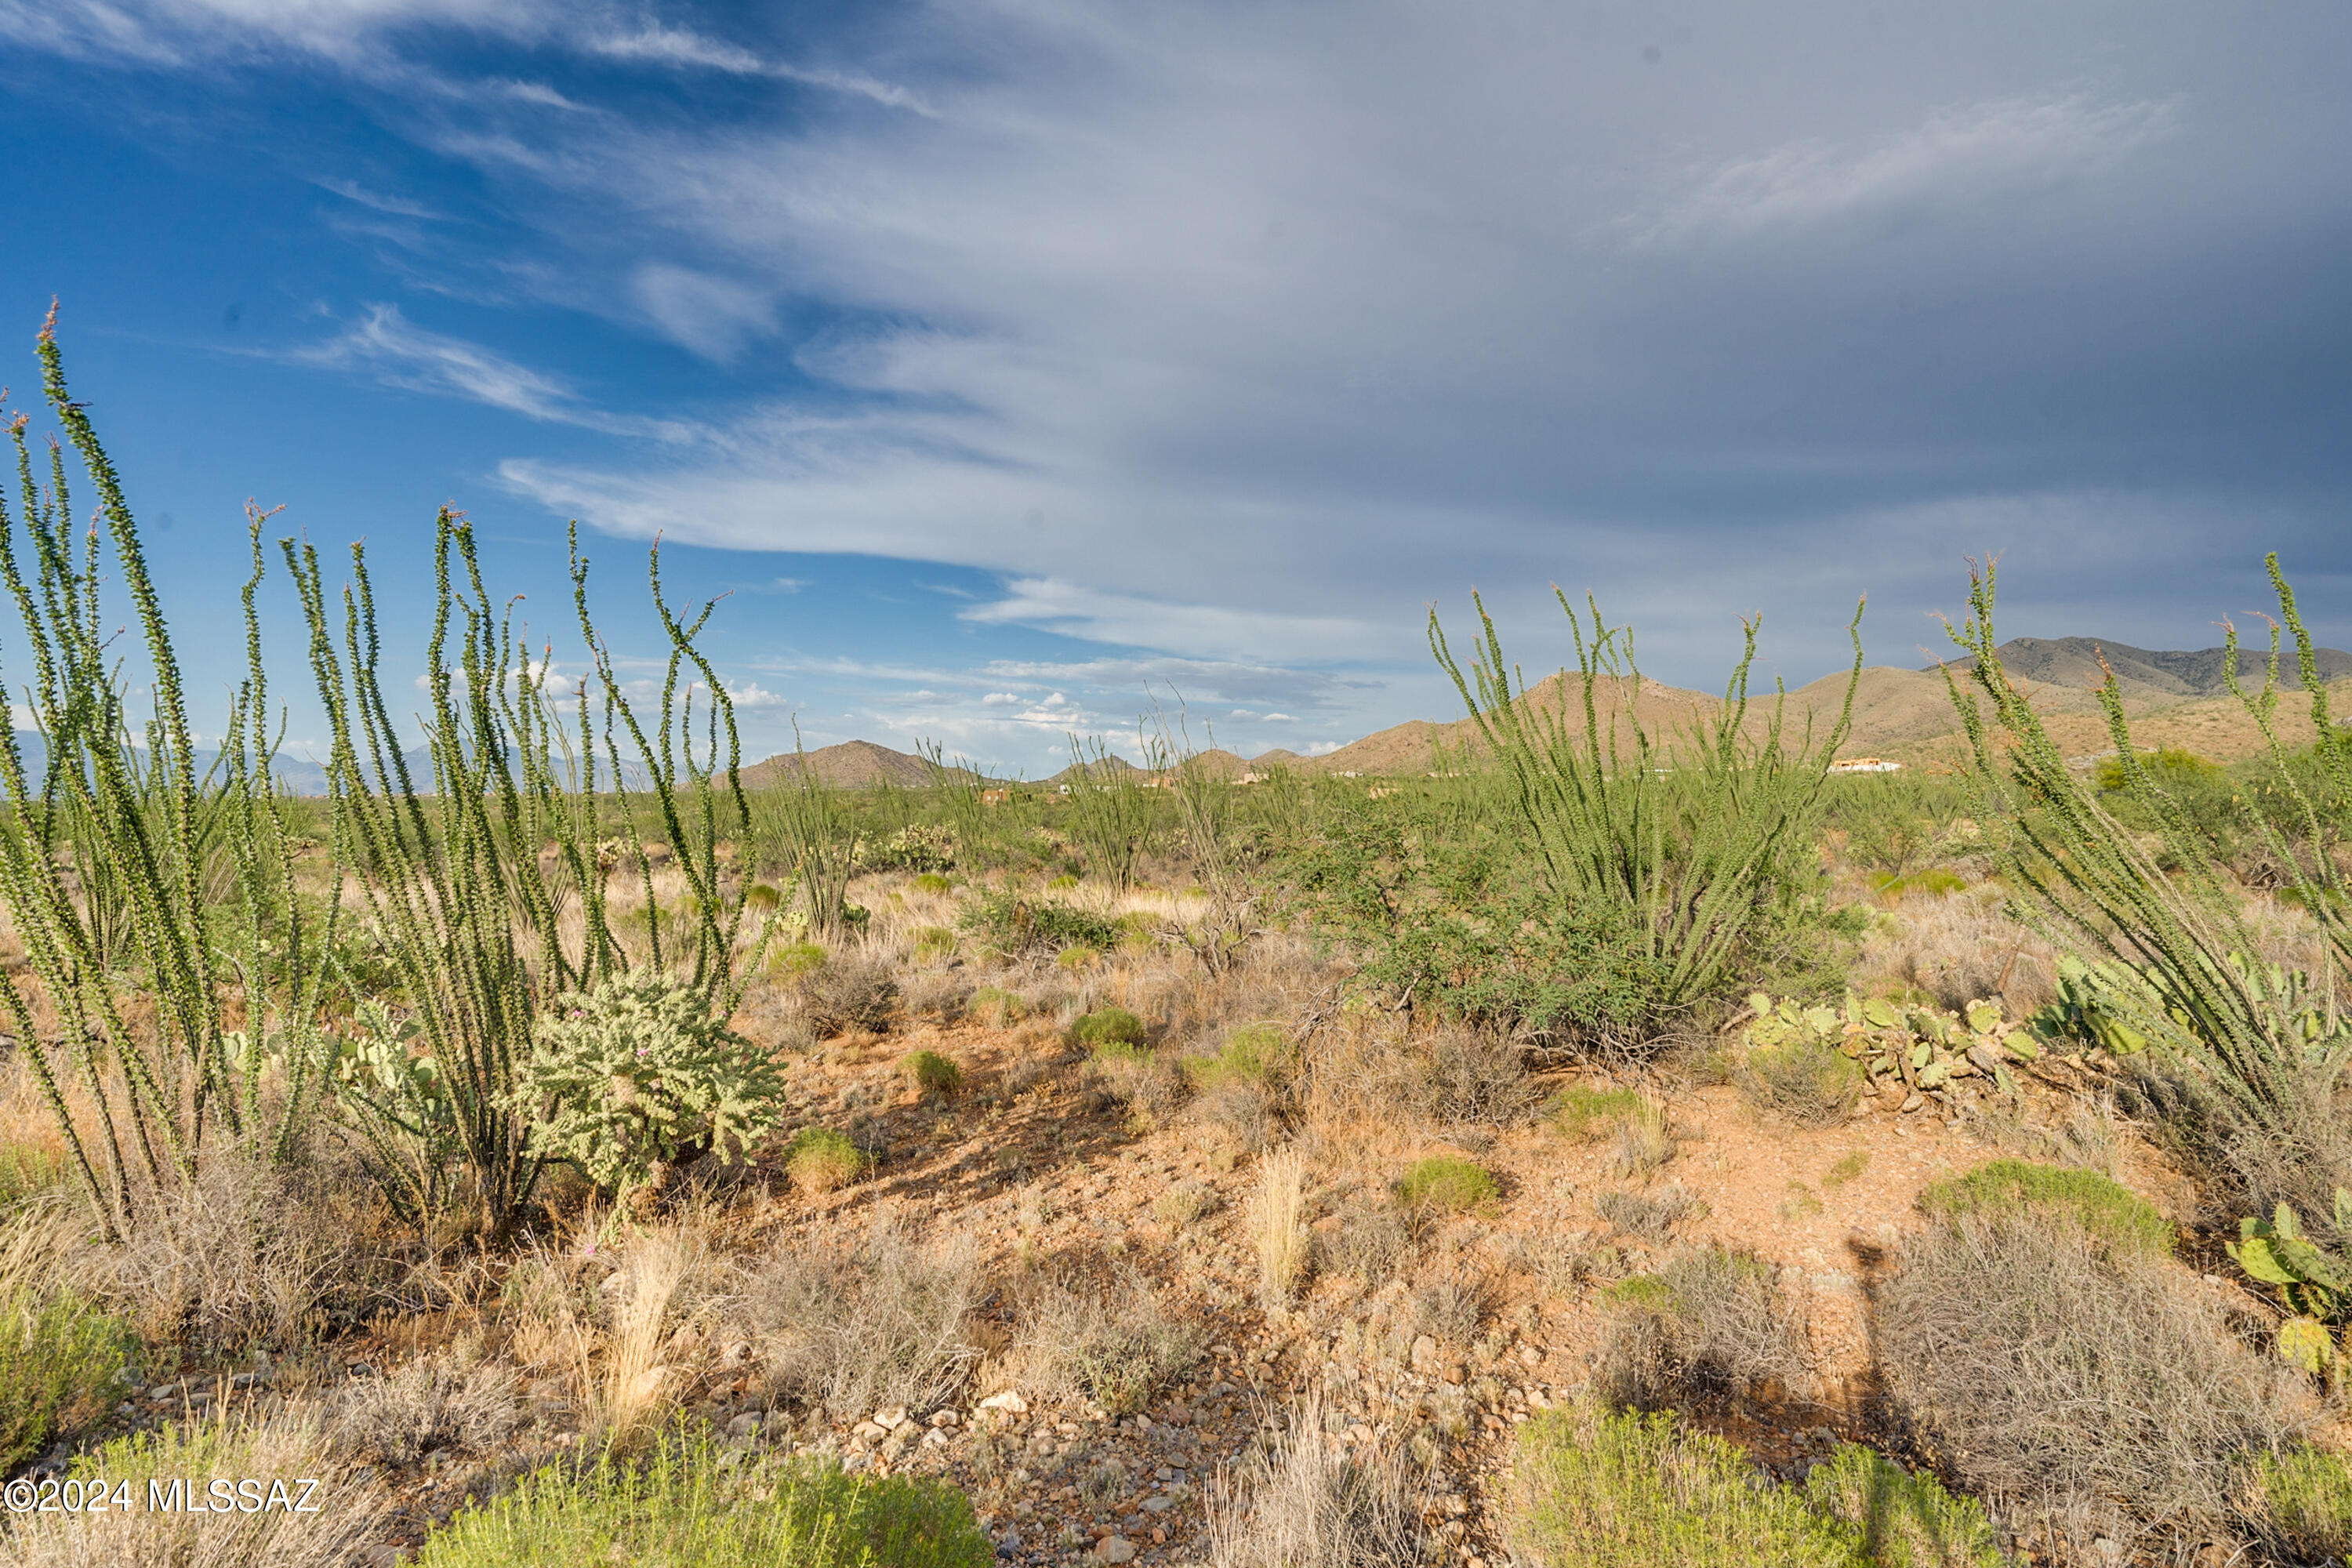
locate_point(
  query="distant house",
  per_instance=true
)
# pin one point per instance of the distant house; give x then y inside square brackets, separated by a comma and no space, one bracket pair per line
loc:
[1864,766]
[993,797]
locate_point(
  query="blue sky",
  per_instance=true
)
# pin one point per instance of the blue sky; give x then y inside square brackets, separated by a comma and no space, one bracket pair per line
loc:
[1013,363]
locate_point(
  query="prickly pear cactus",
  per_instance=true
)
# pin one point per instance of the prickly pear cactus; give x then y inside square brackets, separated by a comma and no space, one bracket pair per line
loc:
[2310,1280]
[1929,1056]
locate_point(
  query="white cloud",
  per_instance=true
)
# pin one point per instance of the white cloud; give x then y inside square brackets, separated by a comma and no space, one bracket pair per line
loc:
[1076,610]
[710,316]
[1280,718]
[1972,157]
[1000,700]
[751,696]
[397,207]
[384,344]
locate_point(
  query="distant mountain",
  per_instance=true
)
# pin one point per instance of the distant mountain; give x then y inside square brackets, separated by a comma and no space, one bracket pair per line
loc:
[853,764]
[2074,661]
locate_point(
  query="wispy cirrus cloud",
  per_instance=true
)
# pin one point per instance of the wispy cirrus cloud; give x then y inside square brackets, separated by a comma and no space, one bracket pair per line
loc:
[385,346]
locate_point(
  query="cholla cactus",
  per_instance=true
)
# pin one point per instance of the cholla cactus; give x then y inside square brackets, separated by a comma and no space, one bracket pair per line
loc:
[636,1076]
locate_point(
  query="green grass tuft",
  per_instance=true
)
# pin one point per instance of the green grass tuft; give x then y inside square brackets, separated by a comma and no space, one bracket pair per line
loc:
[1249,1055]
[59,1360]
[2116,1215]
[1583,1112]
[2308,1503]
[1447,1181]
[821,1159]
[684,1509]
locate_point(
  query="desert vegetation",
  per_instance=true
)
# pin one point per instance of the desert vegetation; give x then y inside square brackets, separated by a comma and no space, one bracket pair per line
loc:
[1621,1140]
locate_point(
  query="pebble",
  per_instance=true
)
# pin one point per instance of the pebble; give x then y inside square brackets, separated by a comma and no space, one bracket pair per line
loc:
[1008,1401]
[1115,1549]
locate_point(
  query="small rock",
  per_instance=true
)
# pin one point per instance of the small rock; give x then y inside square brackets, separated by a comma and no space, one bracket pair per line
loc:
[1007,1401]
[1158,1502]
[1424,1350]
[743,1425]
[891,1419]
[1453,1373]
[1115,1549]
[1531,1355]
[936,1437]
[867,1430]
[944,1418]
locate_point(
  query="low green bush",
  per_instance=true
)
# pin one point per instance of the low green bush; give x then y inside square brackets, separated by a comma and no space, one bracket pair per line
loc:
[2306,1504]
[1602,1490]
[684,1508]
[1446,1182]
[1016,926]
[933,1073]
[1108,1026]
[790,959]
[821,1159]
[27,1168]
[1248,1055]
[61,1360]
[997,1008]
[636,1075]
[2109,1211]
[932,882]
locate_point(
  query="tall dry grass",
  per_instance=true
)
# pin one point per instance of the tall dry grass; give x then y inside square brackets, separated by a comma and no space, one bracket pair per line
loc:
[1278,1226]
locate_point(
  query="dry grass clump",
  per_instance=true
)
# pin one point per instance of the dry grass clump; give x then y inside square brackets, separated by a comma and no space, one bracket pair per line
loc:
[1136,1077]
[1958,949]
[1804,1081]
[352,1510]
[1711,1323]
[620,1338]
[2086,1391]
[443,1401]
[1112,1340]
[1310,1504]
[1646,1139]
[1451,1307]
[885,1321]
[1278,1224]
[1185,1203]
[1653,1214]
[1375,1242]
[1459,1076]
[851,993]
[243,1253]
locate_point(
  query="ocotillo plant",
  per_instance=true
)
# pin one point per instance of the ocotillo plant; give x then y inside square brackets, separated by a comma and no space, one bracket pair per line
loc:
[469,915]
[1112,815]
[806,826]
[111,864]
[1696,833]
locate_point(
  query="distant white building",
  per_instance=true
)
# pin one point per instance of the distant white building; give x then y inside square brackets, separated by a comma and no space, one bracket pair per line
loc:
[1864,766]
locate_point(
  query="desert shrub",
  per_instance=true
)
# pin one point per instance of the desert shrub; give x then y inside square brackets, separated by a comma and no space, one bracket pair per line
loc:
[1137,1077]
[1451,1307]
[1903,1519]
[926,847]
[1464,1077]
[850,1329]
[2085,1390]
[2102,1208]
[933,942]
[434,1403]
[933,1073]
[1600,1490]
[688,1508]
[1306,1504]
[1594,1489]
[27,1168]
[821,1159]
[1185,1203]
[1374,1242]
[352,1510]
[1118,1345]
[1652,1213]
[1250,1054]
[61,1360]
[1802,1079]
[1710,1321]
[635,1076]
[931,882]
[2304,1503]
[794,959]
[1849,1166]
[1015,926]
[997,1008]
[851,994]
[1108,1026]
[1581,1111]
[244,1253]
[1447,1183]
[1645,1140]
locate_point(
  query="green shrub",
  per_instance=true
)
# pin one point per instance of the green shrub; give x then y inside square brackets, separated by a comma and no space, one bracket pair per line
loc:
[933,942]
[685,1509]
[933,1073]
[1063,883]
[636,1074]
[1602,1490]
[1015,926]
[1597,1490]
[2120,1217]
[1249,1055]
[931,882]
[1905,1521]
[1446,1182]
[61,1359]
[1108,1026]
[1077,955]
[790,959]
[1583,1112]
[2306,1504]
[820,1159]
